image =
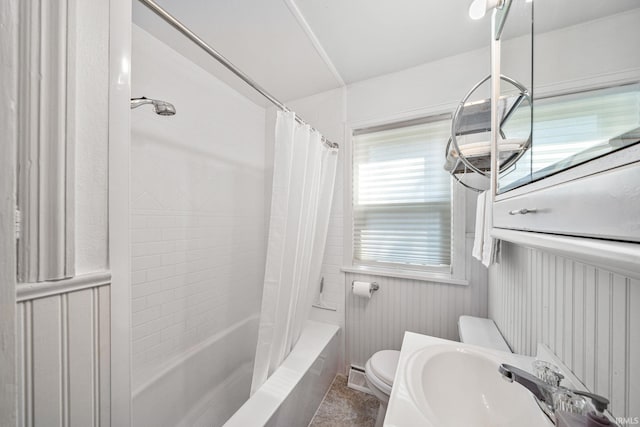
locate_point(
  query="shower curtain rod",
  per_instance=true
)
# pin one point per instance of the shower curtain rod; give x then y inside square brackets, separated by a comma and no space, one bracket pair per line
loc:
[154,7]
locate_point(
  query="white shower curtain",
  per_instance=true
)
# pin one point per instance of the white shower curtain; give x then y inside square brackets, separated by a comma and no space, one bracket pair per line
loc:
[303,180]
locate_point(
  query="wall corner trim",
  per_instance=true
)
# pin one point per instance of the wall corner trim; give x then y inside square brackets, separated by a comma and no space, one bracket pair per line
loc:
[618,256]
[31,291]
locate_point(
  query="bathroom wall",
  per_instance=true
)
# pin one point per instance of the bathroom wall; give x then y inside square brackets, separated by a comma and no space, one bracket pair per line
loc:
[197,212]
[428,307]
[63,327]
[432,88]
[588,316]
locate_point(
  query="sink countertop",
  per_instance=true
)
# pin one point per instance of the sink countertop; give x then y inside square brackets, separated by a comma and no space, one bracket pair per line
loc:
[402,410]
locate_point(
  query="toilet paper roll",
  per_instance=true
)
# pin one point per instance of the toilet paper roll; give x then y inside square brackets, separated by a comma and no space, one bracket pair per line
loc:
[362,289]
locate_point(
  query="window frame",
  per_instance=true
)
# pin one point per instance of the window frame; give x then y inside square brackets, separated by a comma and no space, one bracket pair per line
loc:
[455,273]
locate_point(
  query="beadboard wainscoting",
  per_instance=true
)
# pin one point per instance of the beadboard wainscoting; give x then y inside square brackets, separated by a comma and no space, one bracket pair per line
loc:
[588,316]
[63,346]
[401,305]
[64,337]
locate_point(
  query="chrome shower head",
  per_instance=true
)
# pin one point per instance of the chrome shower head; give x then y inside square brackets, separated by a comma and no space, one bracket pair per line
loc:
[161,108]
[164,108]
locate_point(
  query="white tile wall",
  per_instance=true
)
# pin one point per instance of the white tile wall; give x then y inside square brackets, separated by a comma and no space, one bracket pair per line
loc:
[195,280]
[197,219]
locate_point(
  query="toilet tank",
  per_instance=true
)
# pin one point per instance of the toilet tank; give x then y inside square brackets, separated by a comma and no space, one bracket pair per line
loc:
[481,332]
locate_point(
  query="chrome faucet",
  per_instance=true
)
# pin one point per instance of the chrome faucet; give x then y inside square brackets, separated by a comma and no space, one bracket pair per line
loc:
[544,392]
[540,389]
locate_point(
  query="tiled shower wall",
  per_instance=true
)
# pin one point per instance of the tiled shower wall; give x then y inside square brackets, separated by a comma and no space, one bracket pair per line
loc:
[588,316]
[190,280]
[197,218]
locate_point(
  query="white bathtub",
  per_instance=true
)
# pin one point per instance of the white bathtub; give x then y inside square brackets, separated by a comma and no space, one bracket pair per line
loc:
[208,385]
[291,395]
[205,386]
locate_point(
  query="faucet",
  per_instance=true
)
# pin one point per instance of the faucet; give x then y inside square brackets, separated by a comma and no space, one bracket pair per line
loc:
[544,392]
[541,390]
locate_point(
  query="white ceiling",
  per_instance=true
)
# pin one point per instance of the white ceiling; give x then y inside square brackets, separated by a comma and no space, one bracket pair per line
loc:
[296,48]
[367,38]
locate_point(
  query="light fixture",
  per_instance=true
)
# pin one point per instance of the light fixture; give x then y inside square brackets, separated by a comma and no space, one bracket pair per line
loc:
[479,8]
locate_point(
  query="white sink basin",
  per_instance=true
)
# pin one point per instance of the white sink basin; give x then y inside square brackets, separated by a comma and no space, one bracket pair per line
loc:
[457,386]
[448,384]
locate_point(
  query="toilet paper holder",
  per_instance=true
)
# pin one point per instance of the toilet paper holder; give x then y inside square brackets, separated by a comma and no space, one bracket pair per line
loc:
[374,285]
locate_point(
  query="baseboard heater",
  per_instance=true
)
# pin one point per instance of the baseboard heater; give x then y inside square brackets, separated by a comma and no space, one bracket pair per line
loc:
[357,380]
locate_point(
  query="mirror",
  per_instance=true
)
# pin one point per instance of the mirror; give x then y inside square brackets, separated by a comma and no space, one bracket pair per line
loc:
[584,71]
[469,148]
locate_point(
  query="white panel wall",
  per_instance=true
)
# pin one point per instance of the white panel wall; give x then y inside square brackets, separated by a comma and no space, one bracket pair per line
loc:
[63,327]
[401,305]
[9,26]
[197,200]
[64,353]
[435,87]
[91,136]
[588,316]
[603,51]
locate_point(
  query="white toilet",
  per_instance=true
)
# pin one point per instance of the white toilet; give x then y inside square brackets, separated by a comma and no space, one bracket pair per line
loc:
[380,369]
[379,372]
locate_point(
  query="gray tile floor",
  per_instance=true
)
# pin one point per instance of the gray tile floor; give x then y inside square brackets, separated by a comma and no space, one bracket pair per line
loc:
[345,407]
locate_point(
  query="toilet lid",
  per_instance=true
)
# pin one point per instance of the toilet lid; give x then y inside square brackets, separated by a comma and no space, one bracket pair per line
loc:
[384,364]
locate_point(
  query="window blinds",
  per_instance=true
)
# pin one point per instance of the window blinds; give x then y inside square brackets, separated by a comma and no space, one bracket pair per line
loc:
[402,197]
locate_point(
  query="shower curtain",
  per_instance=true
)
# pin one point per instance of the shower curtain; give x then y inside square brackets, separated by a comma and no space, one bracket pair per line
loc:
[303,180]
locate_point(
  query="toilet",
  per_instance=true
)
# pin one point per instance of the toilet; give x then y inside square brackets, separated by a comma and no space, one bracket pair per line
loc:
[379,372]
[380,369]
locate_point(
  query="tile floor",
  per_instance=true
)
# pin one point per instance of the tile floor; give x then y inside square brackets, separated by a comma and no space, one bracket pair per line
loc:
[345,407]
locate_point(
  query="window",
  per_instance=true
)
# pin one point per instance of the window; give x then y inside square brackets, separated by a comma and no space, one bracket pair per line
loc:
[402,196]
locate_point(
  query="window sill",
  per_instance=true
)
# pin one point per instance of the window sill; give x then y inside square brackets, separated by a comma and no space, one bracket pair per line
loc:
[405,274]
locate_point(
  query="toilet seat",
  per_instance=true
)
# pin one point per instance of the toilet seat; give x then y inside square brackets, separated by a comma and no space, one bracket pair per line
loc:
[381,369]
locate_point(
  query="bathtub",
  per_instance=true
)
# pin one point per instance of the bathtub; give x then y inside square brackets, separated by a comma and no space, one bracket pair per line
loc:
[203,387]
[210,384]
[291,395]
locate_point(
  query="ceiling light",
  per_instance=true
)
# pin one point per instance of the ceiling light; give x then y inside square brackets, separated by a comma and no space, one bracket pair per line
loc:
[479,8]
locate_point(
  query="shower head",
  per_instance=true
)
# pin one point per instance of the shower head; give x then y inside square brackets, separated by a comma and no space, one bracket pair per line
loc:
[162,108]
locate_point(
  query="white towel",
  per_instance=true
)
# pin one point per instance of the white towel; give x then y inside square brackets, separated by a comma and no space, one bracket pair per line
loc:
[485,248]
[483,148]
[488,242]
[478,240]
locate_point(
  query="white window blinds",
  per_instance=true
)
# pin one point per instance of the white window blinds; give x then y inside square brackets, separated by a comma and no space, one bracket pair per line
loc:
[402,197]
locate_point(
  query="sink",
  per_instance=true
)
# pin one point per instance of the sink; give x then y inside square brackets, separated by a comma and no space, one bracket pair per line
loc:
[459,385]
